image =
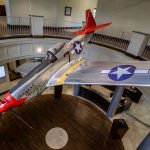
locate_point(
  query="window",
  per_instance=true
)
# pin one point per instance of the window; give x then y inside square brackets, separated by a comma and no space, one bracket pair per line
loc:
[94,12]
[2,72]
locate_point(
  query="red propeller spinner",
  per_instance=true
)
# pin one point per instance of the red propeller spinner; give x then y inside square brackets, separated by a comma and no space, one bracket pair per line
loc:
[9,101]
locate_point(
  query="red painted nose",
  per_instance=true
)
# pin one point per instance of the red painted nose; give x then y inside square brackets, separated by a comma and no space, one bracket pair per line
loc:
[9,102]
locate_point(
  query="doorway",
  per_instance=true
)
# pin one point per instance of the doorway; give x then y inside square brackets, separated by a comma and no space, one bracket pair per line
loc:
[2,10]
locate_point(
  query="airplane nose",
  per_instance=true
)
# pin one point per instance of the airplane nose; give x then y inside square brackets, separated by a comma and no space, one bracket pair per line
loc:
[9,101]
[4,106]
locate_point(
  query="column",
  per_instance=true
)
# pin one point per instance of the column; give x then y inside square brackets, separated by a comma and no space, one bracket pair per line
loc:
[145,144]
[115,101]
[58,91]
[12,65]
[138,43]
[37,23]
[76,90]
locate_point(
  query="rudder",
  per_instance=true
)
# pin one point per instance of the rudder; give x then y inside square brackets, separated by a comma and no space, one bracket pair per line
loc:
[90,26]
[90,21]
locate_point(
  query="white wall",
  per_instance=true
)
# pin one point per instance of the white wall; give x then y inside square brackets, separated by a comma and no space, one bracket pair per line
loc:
[24,8]
[126,15]
[53,9]
[16,10]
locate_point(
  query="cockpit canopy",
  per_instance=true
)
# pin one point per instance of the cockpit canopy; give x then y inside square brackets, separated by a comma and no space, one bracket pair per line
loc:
[51,53]
[50,56]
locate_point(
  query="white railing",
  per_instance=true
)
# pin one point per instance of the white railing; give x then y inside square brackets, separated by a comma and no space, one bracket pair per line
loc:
[60,28]
[115,33]
[146,52]
[114,38]
[14,26]
[61,23]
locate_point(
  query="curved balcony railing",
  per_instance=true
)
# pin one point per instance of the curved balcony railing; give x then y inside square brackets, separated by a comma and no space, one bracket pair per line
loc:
[146,52]
[121,43]
[19,26]
[11,27]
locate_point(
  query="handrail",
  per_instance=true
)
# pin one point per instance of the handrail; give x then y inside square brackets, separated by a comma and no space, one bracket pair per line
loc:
[12,27]
[21,26]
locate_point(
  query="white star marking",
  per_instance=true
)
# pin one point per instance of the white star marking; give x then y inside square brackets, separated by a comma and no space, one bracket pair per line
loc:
[78,48]
[121,72]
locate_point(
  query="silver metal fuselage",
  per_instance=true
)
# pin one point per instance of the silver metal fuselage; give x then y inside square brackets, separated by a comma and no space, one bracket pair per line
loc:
[35,81]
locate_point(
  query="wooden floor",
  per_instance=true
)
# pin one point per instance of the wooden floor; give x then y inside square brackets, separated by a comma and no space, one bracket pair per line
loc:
[87,127]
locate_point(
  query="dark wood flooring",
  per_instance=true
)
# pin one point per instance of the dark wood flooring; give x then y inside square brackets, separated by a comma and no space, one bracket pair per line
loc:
[87,127]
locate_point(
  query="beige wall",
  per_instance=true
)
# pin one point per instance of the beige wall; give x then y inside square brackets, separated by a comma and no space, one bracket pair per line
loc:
[46,8]
[51,8]
[2,2]
[78,9]
[126,15]
[23,8]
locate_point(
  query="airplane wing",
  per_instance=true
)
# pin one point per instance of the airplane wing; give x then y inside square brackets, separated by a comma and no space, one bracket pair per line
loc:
[134,73]
[26,67]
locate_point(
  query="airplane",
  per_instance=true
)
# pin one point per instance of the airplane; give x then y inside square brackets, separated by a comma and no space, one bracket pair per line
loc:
[36,78]
[58,68]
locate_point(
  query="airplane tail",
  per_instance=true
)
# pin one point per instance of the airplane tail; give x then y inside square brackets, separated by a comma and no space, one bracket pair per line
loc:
[90,26]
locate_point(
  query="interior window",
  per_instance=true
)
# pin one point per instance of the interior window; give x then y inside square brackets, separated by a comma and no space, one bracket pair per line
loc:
[94,12]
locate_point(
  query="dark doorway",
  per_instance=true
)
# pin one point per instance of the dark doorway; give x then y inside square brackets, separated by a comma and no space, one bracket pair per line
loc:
[2,10]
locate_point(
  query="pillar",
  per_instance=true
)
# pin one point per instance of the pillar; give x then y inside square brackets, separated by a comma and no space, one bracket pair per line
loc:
[12,65]
[58,91]
[115,101]
[37,24]
[145,144]
[138,43]
[76,90]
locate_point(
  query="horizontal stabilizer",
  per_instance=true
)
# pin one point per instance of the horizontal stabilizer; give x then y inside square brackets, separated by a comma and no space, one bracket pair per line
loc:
[103,25]
[92,29]
[90,26]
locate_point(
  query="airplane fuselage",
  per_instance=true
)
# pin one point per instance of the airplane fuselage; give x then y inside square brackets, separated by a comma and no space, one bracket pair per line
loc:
[35,81]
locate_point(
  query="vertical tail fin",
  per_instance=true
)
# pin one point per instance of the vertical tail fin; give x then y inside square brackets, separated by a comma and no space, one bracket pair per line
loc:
[90,24]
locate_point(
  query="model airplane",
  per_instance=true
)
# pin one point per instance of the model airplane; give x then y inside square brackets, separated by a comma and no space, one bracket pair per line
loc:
[58,69]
